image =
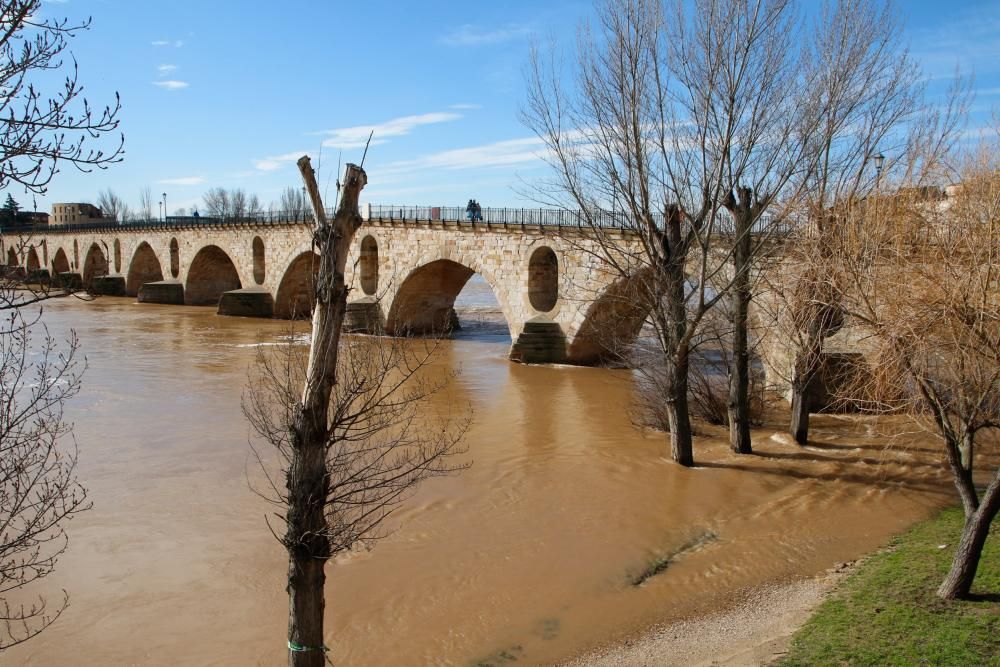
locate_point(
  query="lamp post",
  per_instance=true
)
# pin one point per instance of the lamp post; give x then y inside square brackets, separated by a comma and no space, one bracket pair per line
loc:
[164,207]
[161,210]
[879,161]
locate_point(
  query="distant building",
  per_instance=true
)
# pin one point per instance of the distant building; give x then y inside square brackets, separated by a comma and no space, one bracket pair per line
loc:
[68,214]
[22,219]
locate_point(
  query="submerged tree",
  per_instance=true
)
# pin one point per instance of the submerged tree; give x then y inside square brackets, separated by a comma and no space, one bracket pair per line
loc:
[39,131]
[351,426]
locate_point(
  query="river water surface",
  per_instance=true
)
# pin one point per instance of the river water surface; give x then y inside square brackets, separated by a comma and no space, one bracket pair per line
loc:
[527,556]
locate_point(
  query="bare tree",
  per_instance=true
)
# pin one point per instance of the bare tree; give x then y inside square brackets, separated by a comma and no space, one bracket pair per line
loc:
[694,125]
[919,272]
[112,206]
[39,490]
[294,203]
[40,132]
[217,203]
[146,203]
[234,203]
[351,442]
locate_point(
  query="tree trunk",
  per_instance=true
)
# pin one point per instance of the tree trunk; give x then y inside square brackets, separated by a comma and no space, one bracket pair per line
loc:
[739,371]
[799,427]
[681,445]
[958,583]
[307,479]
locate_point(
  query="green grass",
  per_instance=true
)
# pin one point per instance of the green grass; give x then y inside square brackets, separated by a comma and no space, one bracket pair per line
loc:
[887,612]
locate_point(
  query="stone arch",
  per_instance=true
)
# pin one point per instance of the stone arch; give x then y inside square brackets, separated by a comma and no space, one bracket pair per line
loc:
[295,296]
[612,321]
[424,302]
[12,257]
[118,256]
[175,258]
[543,279]
[32,263]
[144,268]
[368,268]
[212,272]
[94,265]
[60,263]
[76,254]
[259,268]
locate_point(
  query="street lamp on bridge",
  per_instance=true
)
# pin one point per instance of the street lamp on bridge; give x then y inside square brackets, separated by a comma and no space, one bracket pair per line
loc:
[164,207]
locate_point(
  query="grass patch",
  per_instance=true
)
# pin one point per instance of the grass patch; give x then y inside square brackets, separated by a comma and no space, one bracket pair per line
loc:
[887,612]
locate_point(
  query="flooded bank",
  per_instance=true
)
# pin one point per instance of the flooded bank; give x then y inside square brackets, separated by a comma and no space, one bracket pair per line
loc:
[531,555]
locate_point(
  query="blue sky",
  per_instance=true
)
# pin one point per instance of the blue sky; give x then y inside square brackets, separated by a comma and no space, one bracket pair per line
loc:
[228,93]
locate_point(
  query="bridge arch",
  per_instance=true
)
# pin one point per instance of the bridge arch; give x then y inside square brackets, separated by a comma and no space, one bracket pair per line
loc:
[613,320]
[425,301]
[368,265]
[259,268]
[543,279]
[295,295]
[60,263]
[211,273]
[144,268]
[94,265]
[32,263]
[175,258]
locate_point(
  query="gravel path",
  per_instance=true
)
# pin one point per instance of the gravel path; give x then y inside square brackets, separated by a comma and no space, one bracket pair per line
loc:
[754,631]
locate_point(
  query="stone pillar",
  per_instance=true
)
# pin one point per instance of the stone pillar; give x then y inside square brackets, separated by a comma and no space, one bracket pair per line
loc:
[542,341]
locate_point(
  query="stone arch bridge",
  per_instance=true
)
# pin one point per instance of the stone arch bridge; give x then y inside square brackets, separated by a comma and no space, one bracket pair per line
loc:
[405,270]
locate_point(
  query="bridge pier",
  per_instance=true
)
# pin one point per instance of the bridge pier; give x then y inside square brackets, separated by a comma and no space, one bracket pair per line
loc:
[541,342]
[247,302]
[108,285]
[69,280]
[162,291]
[364,316]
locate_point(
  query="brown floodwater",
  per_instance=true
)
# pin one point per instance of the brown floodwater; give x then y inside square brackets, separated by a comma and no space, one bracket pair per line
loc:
[528,555]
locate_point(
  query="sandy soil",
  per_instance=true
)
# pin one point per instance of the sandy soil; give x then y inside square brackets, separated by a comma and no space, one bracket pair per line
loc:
[756,630]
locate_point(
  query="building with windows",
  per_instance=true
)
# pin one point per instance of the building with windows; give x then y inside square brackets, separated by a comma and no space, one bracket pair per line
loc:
[67,214]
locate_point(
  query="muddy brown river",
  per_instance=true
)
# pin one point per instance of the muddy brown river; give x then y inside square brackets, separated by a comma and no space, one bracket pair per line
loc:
[527,556]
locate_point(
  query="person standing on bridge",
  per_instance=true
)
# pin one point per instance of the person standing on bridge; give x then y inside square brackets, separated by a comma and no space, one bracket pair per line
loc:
[470,210]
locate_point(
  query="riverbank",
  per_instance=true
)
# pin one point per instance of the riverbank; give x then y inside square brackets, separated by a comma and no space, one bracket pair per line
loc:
[881,611]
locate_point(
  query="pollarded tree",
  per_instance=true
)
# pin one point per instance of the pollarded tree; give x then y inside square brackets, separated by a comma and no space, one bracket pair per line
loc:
[351,427]
[41,131]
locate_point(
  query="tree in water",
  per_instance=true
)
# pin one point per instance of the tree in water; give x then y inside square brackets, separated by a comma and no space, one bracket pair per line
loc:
[352,428]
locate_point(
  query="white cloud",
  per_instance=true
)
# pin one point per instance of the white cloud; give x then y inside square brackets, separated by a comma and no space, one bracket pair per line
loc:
[166,69]
[185,180]
[356,137]
[166,42]
[159,42]
[471,35]
[498,154]
[179,43]
[278,161]
[171,84]
[465,106]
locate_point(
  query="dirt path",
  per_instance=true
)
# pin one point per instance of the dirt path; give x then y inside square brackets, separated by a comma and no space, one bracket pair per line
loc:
[754,631]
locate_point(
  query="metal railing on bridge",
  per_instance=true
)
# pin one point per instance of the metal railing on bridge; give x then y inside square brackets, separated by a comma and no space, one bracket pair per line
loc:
[510,217]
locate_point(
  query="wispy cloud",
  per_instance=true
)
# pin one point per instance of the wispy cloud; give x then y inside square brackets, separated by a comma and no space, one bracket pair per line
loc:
[472,35]
[166,42]
[184,180]
[166,69]
[465,106]
[357,136]
[278,161]
[498,154]
[965,38]
[171,84]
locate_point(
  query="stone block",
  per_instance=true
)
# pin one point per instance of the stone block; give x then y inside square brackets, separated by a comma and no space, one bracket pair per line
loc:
[364,316]
[108,285]
[162,291]
[248,302]
[541,342]
[68,280]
